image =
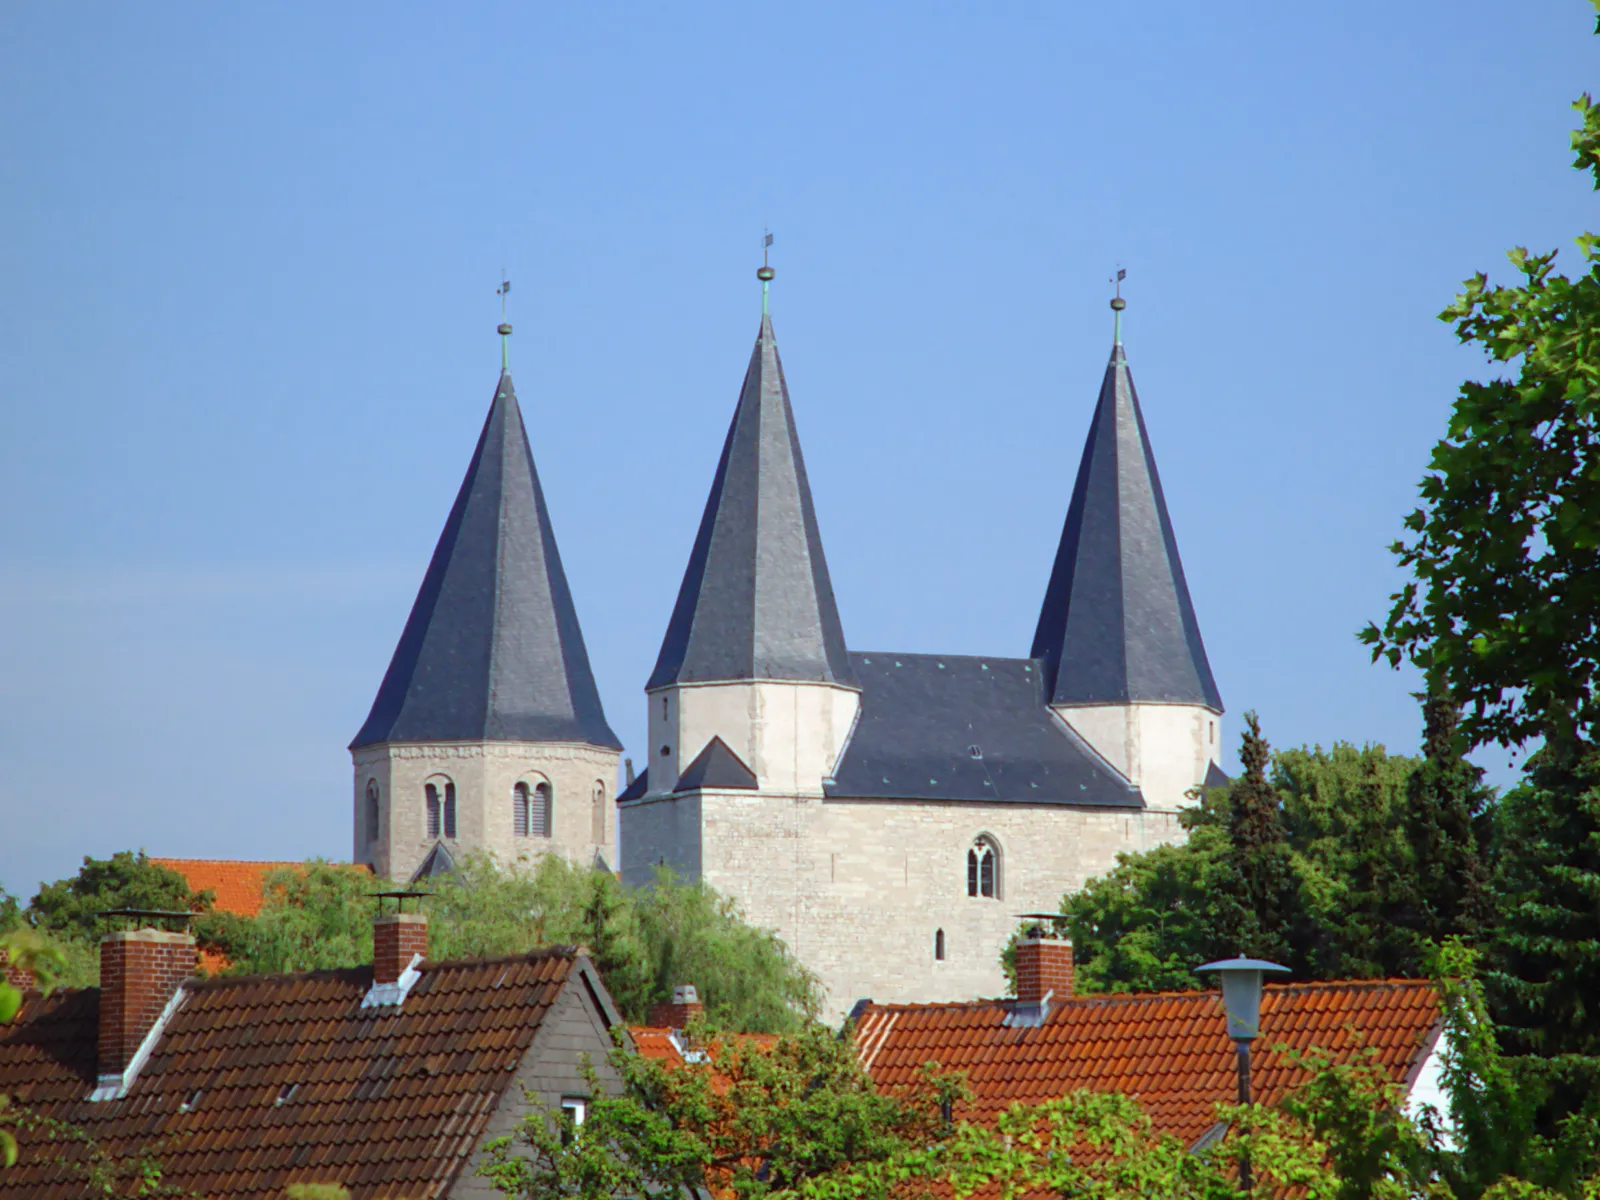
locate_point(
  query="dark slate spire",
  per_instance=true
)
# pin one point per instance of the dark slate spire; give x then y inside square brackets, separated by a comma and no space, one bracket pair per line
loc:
[756,602]
[1117,625]
[492,649]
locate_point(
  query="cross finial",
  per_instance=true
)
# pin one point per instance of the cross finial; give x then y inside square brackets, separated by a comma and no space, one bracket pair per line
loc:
[505,330]
[766,273]
[1118,303]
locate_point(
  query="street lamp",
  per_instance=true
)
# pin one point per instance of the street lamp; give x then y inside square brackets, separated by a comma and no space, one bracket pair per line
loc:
[1241,999]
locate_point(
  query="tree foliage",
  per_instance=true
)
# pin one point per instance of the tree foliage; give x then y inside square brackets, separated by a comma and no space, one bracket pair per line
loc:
[1335,820]
[1504,551]
[643,940]
[797,1117]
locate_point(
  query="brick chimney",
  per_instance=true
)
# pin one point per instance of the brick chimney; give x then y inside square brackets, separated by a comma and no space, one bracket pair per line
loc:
[685,1007]
[396,937]
[141,971]
[19,977]
[1044,965]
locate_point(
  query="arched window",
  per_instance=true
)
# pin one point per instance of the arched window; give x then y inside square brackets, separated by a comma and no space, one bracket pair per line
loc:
[372,810]
[983,868]
[449,810]
[938,945]
[543,810]
[598,833]
[521,801]
[431,791]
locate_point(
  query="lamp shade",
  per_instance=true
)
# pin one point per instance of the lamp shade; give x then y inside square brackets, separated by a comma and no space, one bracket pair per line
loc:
[1241,992]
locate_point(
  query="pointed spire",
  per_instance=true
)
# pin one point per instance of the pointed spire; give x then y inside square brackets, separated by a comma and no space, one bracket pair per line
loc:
[1117,624]
[492,650]
[756,600]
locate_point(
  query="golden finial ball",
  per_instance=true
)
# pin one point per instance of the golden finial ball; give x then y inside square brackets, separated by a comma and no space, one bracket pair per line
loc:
[505,330]
[765,274]
[1119,304]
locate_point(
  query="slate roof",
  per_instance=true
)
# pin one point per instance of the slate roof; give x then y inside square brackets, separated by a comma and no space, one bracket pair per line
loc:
[639,786]
[923,717]
[717,767]
[492,649]
[1117,624]
[756,601]
[265,1081]
[1169,1050]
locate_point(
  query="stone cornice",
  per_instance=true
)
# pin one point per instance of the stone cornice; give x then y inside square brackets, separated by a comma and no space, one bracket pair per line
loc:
[531,752]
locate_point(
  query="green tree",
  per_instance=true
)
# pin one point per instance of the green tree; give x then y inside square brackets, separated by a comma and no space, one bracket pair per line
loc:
[1263,871]
[1504,551]
[1446,890]
[1544,978]
[1145,924]
[313,916]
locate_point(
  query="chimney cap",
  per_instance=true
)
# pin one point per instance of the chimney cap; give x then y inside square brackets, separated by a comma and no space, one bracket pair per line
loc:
[150,914]
[400,897]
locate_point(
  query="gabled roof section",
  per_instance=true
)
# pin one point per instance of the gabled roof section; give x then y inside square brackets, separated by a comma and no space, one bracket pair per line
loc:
[717,767]
[756,600]
[639,786]
[492,650]
[1117,624]
[439,862]
[1169,1050]
[954,727]
[263,1081]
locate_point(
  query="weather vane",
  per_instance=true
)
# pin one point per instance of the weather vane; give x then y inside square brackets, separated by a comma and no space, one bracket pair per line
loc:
[505,329]
[1118,303]
[766,273]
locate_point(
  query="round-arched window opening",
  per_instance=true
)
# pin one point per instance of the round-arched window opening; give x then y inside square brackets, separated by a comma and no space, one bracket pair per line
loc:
[983,868]
[521,806]
[938,945]
[598,832]
[543,815]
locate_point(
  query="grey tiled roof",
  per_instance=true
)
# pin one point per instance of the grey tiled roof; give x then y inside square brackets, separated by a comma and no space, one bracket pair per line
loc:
[1117,624]
[639,786]
[492,649]
[717,767]
[756,601]
[953,727]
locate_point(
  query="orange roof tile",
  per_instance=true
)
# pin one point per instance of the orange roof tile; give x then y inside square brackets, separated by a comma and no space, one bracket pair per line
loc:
[1168,1050]
[234,882]
[258,1082]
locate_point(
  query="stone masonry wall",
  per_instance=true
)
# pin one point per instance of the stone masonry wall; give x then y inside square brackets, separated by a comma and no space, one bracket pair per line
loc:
[858,888]
[484,774]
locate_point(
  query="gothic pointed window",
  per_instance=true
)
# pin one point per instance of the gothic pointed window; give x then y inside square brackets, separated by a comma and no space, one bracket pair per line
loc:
[983,868]
[431,793]
[372,810]
[543,814]
[598,832]
[521,802]
[450,810]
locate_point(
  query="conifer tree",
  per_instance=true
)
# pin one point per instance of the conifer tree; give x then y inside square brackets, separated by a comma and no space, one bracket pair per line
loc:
[1262,868]
[1544,981]
[1447,888]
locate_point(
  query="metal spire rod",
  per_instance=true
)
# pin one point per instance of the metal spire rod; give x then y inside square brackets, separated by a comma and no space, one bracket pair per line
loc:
[766,273]
[1117,305]
[505,329]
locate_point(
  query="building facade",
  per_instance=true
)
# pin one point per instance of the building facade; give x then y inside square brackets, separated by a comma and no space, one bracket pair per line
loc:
[891,814]
[487,733]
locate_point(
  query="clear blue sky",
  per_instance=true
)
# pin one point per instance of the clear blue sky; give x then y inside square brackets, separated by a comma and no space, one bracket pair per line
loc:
[247,310]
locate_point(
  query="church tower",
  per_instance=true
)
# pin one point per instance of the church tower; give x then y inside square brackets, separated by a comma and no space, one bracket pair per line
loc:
[1123,662]
[753,671]
[487,732]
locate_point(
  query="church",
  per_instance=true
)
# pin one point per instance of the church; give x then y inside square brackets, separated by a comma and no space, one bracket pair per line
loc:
[890,814]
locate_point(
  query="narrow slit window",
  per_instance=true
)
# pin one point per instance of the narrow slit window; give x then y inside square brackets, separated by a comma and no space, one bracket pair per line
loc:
[598,832]
[431,794]
[521,801]
[450,810]
[938,945]
[543,803]
[372,810]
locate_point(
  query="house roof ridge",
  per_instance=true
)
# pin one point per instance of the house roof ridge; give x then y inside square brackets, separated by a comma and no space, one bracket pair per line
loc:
[1164,994]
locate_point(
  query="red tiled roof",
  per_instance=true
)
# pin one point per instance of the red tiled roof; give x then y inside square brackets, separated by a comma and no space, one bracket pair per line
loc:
[1168,1050]
[235,882]
[263,1081]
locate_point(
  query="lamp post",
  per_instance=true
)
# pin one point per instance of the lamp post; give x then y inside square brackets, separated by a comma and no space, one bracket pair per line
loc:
[1241,999]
